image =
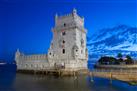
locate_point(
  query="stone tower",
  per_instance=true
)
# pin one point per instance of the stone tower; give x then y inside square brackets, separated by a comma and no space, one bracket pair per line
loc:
[68,46]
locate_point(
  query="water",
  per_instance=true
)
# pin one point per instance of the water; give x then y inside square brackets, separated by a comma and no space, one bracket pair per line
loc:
[10,81]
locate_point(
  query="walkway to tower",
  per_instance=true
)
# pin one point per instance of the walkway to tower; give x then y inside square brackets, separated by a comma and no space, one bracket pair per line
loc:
[122,75]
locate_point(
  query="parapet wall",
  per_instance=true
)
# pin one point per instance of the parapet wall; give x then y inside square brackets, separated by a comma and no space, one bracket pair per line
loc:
[132,66]
[33,57]
[32,62]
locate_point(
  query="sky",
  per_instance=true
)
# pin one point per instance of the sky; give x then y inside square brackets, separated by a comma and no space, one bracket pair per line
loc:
[26,24]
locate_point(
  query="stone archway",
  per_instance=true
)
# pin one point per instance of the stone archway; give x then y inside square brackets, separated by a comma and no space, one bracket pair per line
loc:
[75,50]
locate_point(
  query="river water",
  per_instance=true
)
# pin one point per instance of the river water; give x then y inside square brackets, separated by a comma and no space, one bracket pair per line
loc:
[10,81]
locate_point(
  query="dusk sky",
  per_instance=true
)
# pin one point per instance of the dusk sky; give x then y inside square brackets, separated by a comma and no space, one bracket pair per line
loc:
[26,24]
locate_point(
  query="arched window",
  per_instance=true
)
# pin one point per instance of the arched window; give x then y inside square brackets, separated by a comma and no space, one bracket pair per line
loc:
[26,65]
[31,65]
[63,51]
[64,24]
[43,66]
[63,33]
[82,42]
[63,41]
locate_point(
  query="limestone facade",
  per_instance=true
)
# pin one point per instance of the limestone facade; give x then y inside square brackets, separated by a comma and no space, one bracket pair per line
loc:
[67,49]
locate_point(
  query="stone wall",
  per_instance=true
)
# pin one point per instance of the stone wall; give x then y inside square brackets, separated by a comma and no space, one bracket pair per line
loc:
[32,62]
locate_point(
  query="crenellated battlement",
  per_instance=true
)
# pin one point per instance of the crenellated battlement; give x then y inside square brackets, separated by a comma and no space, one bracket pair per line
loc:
[70,15]
[67,19]
[23,57]
[34,57]
[65,16]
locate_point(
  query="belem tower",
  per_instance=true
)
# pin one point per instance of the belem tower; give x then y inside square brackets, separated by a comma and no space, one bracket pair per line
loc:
[67,50]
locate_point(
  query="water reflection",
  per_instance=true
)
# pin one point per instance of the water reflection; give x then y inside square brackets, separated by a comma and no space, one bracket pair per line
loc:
[82,83]
[10,81]
[7,77]
[50,83]
[101,84]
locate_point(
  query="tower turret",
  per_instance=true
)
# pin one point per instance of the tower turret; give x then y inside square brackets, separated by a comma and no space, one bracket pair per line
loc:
[74,11]
[69,42]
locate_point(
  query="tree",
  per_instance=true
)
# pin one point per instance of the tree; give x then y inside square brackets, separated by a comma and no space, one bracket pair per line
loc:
[119,55]
[120,59]
[128,60]
[128,57]
[107,60]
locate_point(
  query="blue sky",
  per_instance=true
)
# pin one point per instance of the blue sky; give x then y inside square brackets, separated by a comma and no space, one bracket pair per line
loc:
[26,24]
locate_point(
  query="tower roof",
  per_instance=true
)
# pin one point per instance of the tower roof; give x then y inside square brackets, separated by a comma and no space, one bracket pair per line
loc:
[74,11]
